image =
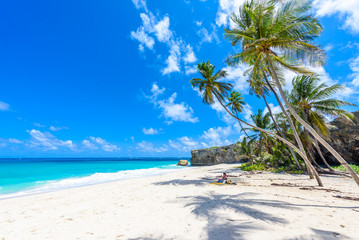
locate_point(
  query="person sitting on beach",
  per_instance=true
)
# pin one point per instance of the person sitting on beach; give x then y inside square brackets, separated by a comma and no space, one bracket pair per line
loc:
[224,178]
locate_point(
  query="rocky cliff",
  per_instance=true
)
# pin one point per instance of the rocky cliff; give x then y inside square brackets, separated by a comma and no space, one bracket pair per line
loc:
[345,139]
[217,155]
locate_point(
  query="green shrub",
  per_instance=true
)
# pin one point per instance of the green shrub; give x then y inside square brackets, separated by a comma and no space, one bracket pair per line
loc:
[342,168]
[235,149]
[262,167]
[254,167]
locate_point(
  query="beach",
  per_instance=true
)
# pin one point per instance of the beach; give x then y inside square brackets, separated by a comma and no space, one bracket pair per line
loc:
[184,205]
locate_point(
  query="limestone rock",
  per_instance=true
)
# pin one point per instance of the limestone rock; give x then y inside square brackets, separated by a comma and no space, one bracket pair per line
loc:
[217,155]
[182,163]
[344,138]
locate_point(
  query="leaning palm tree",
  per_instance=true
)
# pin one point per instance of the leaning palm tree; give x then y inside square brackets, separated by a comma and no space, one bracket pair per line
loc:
[236,102]
[311,101]
[261,89]
[281,35]
[211,88]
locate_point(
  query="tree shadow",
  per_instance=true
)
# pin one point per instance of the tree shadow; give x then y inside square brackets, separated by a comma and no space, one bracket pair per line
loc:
[183,182]
[320,235]
[218,226]
[148,238]
[204,206]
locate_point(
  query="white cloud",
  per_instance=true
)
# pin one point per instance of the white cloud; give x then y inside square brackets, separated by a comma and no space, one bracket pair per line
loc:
[191,69]
[170,110]
[175,145]
[107,147]
[149,147]
[154,28]
[347,10]
[143,38]
[354,66]
[207,36]
[275,109]
[39,125]
[150,131]
[190,56]
[4,106]
[14,140]
[156,91]
[198,23]
[140,4]
[173,60]
[89,145]
[225,9]
[184,144]
[328,47]
[52,128]
[217,136]
[188,142]
[176,111]
[237,78]
[162,30]
[247,112]
[47,141]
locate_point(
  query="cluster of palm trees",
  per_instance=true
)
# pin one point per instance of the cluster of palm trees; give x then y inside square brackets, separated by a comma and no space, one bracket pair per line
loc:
[275,36]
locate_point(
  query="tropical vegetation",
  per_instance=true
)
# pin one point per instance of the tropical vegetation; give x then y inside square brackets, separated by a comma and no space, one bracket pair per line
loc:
[274,37]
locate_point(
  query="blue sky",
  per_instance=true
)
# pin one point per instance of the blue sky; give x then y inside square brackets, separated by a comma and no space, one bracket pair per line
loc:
[111,78]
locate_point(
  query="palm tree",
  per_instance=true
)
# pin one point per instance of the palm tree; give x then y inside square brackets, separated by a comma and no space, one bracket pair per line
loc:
[262,121]
[281,35]
[211,88]
[235,102]
[261,89]
[311,101]
[247,149]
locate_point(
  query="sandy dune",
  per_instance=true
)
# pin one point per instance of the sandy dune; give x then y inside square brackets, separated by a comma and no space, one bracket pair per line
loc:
[183,205]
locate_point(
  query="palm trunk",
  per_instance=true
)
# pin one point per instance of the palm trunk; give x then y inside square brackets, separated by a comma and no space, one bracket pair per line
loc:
[292,126]
[280,132]
[321,156]
[307,126]
[260,145]
[244,130]
[311,168]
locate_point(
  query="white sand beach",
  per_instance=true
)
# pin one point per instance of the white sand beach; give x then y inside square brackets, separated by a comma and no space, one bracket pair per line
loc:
[183,205]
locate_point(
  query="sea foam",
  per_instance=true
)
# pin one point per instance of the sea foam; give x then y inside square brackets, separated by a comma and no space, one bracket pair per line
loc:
[96,178]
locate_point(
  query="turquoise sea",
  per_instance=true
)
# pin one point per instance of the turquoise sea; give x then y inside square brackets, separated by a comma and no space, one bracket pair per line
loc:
[19,177]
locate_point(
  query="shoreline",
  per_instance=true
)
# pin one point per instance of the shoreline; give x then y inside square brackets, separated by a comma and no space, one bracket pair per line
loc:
[184,205]
[40,189]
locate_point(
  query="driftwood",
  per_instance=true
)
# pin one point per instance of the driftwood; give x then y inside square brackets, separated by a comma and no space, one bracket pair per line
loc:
[347,198]
[320,189]
[340,173]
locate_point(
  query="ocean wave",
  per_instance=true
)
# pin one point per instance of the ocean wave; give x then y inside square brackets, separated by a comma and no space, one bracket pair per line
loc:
[96,178]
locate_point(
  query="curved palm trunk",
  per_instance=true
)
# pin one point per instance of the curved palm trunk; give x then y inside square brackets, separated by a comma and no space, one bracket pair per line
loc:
[311,168]
[280,132]
[292,126]
[245,132]
[321,156]
[309,128]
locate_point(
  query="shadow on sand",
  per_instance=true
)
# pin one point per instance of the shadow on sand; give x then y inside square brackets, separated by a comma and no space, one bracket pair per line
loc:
[210,208]
[220,227]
